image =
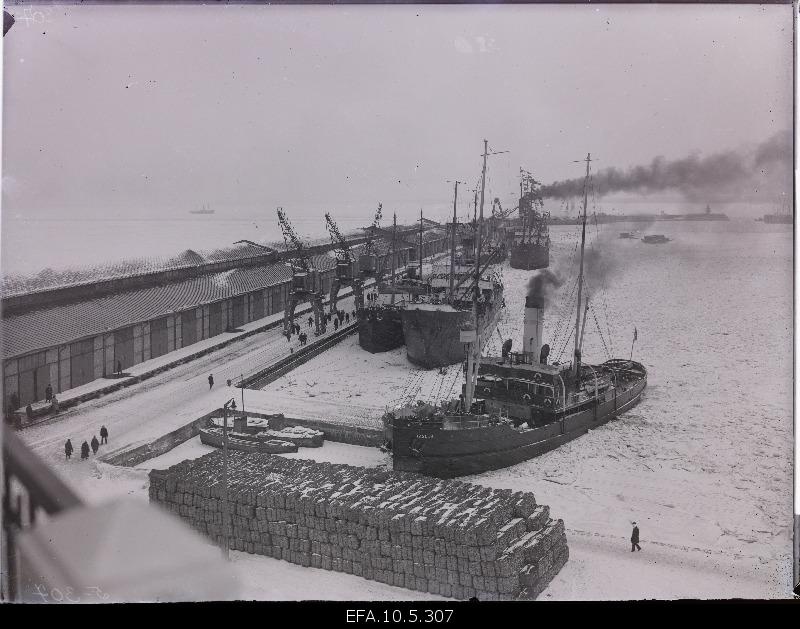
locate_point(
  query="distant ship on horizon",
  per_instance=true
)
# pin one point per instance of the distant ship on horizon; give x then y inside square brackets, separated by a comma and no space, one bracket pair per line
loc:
[204,210]
[784,215]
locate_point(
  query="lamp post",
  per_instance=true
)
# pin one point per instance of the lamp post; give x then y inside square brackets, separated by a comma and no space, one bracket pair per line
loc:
[225,516]
[241,384]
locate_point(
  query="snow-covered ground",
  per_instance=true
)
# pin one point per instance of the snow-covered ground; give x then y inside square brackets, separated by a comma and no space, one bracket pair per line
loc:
[153,407]
[703,464]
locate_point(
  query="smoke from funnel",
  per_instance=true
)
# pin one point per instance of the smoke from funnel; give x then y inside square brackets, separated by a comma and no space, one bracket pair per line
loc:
[762,172]
[540,287]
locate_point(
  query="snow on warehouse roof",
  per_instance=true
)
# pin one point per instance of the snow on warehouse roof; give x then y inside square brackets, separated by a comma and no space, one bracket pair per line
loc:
[59,325]
[49,279]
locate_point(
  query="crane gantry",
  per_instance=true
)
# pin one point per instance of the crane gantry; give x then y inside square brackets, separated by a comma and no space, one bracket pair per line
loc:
[304,278]
[345,268]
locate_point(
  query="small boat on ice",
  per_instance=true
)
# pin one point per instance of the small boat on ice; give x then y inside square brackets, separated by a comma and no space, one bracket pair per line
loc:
[655,239]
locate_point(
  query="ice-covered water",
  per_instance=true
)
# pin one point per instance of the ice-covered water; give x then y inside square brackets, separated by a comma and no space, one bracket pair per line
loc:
[705,461]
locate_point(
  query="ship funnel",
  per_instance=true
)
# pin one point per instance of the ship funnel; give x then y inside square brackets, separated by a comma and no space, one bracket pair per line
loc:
[532,332]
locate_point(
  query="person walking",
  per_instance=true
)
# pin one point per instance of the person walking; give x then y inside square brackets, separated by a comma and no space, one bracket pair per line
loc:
[103,434]
[84,450]
[310,321]
[54,404]
[95,444]
[48,393]
[119,367]
[210,381]
[336,324]
[635,538]
[347,318]
[68,449]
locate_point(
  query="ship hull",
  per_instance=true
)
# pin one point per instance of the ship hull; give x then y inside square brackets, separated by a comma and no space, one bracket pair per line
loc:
[380,330]
[432,336]
[450,453]
[530,257]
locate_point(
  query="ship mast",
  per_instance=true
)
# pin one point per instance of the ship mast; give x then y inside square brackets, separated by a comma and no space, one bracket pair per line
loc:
[394,235]
[576,365]
[474,351]
[453,241]
[420,243]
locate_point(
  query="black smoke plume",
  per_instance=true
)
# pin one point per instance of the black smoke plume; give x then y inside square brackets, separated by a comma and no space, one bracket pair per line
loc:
[761,173]
[541,286]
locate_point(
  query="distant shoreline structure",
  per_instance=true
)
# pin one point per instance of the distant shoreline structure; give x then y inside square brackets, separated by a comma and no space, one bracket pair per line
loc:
[625,218]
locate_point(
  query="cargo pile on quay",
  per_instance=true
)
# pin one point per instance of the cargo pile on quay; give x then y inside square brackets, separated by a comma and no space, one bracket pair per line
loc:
[442,537]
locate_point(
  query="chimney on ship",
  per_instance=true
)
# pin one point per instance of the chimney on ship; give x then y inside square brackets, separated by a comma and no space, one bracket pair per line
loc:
[532,331]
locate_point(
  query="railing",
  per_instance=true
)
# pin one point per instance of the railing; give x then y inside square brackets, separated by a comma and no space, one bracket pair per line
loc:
[29,487]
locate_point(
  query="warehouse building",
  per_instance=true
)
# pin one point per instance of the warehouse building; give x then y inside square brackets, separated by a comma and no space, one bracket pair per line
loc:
[71,343]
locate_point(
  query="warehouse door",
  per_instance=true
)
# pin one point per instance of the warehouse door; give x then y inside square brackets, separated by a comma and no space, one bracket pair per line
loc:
[258,305]
[237,311]
[81,362]
[158,337]
[123,348]
[215,323]
[34,376]
[188,328]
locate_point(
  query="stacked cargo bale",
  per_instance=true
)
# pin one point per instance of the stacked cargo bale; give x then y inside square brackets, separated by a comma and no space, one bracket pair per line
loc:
[444,537]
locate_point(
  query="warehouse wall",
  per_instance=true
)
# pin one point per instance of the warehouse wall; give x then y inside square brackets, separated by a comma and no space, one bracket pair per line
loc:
[68,366]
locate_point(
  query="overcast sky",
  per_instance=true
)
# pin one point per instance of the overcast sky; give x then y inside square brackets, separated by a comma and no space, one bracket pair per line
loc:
[155,110]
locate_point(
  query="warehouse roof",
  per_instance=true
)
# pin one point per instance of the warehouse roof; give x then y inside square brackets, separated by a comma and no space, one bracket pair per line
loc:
[49,279]
[48,327]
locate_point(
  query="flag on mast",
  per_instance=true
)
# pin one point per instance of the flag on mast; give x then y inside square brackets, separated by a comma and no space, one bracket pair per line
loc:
[635,334]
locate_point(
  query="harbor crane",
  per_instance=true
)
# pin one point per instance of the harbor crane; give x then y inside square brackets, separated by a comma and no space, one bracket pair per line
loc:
[304,279]
[368,264]
[345,268]
[531,209]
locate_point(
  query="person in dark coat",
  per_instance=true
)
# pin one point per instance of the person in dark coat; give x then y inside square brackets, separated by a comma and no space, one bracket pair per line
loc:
[210,381]
[68,449]
[336,324]
[29,411]
[48,393]
[310,321]
[635,538]
[103,434]
[84,450]
[95,444]
[119,367]
[347,317]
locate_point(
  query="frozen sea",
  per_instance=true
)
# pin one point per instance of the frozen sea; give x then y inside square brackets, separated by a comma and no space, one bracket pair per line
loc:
[703,464]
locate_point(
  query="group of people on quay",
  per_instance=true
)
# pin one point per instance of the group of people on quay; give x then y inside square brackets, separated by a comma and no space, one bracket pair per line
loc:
[339,318]
[95,444]
[14,404]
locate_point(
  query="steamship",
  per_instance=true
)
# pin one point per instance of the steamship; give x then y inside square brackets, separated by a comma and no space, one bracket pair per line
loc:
[785,216]
[530,246]
[516,406]
[470,294]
